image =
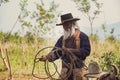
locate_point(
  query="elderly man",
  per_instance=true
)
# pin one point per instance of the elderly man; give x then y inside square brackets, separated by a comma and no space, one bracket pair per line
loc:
[75,47]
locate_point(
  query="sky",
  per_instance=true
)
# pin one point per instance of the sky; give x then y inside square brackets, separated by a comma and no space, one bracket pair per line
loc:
[110,13]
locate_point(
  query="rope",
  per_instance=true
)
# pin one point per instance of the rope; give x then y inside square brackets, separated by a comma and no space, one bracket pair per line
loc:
[45,65]
[50,76]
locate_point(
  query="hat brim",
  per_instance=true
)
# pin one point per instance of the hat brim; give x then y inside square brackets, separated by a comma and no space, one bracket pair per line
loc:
[69,20]
[90,75]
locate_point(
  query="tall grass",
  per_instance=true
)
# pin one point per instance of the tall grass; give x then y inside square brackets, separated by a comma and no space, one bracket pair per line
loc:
[105,53]
[22,55]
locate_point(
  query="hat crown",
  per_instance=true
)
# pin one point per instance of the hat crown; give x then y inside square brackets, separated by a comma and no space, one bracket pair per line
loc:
[66,17]
[94,68]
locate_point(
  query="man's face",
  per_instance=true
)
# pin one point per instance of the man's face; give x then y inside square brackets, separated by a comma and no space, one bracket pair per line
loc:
[69,30]
[67,26]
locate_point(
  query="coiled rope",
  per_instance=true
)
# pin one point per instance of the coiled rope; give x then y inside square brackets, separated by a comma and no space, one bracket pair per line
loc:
[49,75]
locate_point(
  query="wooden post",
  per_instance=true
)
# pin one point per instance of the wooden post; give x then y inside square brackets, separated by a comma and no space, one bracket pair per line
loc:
[10,71]
[3,58]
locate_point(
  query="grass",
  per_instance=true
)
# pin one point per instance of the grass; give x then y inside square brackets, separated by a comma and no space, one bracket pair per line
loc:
[22,57]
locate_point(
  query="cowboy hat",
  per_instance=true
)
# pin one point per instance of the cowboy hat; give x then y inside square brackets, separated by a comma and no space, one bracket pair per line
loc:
[94,71]
[67,18]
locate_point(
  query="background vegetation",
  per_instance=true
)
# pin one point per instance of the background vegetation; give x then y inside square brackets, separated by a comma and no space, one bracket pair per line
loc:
[22,51]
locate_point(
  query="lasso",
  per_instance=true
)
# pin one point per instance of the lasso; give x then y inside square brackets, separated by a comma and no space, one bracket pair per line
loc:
[50,76]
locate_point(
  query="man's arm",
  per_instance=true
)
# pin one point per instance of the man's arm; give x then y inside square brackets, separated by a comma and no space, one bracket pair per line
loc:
[53,55]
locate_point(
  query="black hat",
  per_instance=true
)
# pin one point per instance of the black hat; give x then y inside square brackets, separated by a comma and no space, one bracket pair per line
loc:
[67,18]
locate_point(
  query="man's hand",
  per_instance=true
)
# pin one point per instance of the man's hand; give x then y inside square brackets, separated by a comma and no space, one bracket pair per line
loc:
[65,50]
[50,57]
[43,58]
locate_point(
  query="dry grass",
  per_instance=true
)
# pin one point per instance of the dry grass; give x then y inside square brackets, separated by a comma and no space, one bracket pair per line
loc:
[22,57]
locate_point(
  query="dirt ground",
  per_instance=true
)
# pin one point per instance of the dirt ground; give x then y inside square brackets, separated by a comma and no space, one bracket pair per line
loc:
[5,76]
[19,78]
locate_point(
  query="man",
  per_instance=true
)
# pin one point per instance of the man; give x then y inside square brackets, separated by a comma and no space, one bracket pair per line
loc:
[75,47]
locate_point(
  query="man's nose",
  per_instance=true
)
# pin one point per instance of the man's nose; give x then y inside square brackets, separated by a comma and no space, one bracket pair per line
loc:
[66,28]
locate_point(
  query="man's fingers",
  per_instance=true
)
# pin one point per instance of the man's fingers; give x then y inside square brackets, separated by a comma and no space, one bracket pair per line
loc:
[49,58]
[43,58]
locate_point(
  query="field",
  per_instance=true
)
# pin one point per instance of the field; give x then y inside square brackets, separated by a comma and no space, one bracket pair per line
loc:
[20,55]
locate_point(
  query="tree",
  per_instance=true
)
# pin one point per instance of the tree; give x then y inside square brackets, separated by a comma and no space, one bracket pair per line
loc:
[90,9]
[3,1]
[41,20]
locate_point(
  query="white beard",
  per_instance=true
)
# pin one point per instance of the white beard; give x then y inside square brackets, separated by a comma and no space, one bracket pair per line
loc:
[69,33]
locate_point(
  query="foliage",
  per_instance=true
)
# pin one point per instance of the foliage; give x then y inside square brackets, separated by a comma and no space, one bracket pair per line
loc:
[41,20]
[94,37]
[29,37]
[1,36]
[22,51]
[111,37]
[90,9]
[107,59]
[3,1]
[4,37]
[105,53]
